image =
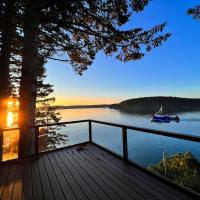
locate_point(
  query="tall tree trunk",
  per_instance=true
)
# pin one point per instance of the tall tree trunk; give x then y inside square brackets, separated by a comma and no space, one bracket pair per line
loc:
[7,34]
[1,15]
[28,84]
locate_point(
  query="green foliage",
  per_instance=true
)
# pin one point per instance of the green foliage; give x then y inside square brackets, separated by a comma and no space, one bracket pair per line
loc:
[183,169]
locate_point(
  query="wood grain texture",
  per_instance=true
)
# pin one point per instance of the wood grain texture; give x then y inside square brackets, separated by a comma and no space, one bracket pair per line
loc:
[82,173]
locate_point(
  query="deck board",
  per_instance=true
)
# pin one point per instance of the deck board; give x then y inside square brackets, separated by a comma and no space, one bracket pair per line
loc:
[143,180]
[46,186]
[122,179]
[101,194]
[3,178]
[27,192]
[17,189]
[36,181]
[76,188]
[58,194]
[88,173]
[100,182]
[118,187]
[150,182]
[65,186]
[80,179]
[8,189]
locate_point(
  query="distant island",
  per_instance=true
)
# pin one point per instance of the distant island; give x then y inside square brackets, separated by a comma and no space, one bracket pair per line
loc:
[82,106]
[149,105]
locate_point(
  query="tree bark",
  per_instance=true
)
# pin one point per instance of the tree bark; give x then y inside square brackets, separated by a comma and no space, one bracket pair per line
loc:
[28,83]
[7,34]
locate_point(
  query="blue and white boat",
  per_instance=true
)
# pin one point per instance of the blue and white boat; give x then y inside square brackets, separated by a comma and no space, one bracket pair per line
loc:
[161,118]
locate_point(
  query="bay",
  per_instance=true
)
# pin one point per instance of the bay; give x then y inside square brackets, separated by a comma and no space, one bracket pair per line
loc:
[144,149]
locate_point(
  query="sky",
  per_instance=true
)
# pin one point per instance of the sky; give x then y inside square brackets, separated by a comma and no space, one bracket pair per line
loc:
[170,70]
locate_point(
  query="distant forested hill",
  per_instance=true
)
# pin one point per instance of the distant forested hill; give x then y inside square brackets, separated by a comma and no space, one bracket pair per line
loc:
[82,106]
[149,105]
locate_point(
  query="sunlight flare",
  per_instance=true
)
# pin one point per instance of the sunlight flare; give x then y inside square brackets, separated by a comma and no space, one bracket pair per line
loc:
[9,119]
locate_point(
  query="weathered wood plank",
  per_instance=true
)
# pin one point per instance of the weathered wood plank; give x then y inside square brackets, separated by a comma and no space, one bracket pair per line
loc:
[77,190]
[3,178]
[46,187]
[90,177]
[86,177]
[109,181]
[64,184]
[27,183]
[79,178]
[82,174]
[135,184]
[100,182]
[8,189]
[120,188]
[58,193]
[151,182]
[129,183]
[17,190]
[37,185]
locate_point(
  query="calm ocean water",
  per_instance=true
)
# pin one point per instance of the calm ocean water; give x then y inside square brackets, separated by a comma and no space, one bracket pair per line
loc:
[144,149]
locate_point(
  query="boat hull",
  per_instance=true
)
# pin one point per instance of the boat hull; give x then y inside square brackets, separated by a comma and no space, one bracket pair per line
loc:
[164,118]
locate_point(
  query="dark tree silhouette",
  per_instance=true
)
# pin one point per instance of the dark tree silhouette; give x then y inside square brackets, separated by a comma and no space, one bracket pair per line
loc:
[7,10]
[77,31]
[195,12]
[45,113]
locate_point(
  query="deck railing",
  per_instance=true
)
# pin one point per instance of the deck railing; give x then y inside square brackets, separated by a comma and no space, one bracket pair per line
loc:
[145,131]
[123,127]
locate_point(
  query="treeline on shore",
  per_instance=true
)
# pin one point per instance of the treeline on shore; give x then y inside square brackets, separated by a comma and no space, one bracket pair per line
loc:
[150,105]
[82,106]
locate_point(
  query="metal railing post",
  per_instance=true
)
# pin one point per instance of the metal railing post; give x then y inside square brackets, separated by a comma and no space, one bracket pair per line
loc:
[37,132]
[90,131]
[125,144]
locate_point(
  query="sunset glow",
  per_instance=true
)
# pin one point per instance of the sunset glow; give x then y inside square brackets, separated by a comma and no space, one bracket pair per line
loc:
[9,119]
[68,101]
[11,138]
[10,144]
[10,103]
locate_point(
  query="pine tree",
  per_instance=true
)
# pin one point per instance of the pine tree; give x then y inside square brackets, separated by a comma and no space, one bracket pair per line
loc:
[47,114]
[77,30]
[195,12]
[49,137]
[7,17]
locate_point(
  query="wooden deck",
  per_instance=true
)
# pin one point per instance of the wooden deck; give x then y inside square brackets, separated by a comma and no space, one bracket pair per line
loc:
[88,173]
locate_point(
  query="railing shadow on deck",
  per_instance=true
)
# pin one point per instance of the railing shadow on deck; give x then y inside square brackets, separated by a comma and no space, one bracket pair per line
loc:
[125,155]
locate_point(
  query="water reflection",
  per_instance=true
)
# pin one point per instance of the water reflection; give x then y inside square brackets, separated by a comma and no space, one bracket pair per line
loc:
[178,160]
[145,149]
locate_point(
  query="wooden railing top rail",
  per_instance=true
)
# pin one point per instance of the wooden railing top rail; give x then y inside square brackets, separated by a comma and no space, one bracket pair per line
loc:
[140,129]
